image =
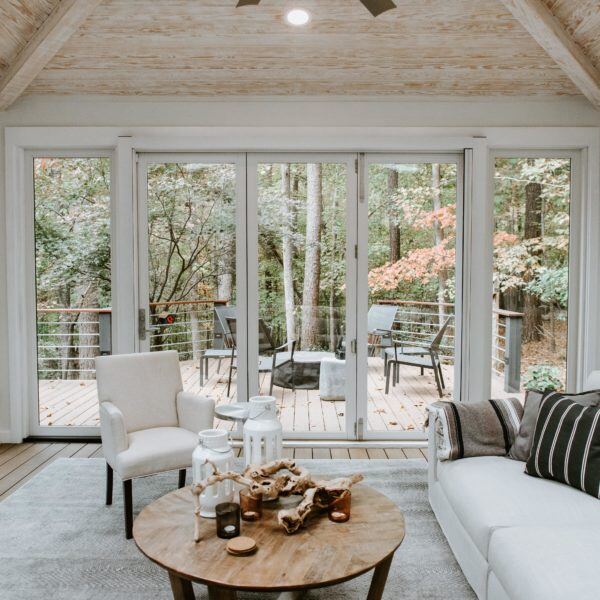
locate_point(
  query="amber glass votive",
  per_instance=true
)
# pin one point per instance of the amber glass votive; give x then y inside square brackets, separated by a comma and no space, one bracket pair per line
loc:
[228,520]
[251,506]
[339,510]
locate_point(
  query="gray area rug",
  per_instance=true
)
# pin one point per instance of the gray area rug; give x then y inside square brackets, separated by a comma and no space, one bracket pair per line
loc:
[59,541]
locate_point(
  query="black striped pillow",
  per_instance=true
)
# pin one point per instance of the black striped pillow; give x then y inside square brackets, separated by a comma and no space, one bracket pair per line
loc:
[566,444]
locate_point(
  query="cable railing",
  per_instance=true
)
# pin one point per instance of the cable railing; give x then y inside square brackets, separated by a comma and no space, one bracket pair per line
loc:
[69,339]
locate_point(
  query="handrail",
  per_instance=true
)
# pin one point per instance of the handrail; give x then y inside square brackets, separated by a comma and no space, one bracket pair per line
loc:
[152,304]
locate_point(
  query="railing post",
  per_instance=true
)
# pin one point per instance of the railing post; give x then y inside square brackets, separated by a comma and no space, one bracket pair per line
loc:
[512,354]
[105,333]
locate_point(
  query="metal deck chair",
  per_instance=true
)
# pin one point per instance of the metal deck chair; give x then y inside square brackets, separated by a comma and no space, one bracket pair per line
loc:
[266,364]
[411,354]
[222,312]
[380,322]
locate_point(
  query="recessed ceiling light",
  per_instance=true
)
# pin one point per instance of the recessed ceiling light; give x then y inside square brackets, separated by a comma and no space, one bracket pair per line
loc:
[297,17]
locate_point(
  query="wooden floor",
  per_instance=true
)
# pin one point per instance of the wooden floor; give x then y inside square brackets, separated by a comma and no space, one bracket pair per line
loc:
[74,403]
[20,462]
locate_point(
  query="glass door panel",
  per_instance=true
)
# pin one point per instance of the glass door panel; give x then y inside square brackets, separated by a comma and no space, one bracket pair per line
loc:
[305,225]
[188,272]
[72,225]
[409,357]
[530,309]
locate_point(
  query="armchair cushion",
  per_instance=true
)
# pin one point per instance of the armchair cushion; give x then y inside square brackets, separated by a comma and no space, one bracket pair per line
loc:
[156,450]
[142,386]
[113,432]
[195,412]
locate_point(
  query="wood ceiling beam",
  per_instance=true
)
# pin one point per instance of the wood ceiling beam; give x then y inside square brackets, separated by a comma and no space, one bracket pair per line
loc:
[60,25]
[549,33]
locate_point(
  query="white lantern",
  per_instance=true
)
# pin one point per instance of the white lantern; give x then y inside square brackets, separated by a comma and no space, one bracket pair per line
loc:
[213,446]
[262,432]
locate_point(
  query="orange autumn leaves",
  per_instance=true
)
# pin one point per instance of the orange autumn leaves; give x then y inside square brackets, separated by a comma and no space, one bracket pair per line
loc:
[426,264]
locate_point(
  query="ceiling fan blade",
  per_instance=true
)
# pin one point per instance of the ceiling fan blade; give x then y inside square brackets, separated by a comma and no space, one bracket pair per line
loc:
[247,3]
[376,7]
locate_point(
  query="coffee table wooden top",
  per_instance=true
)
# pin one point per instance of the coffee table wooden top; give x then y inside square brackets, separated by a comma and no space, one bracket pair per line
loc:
[323,553]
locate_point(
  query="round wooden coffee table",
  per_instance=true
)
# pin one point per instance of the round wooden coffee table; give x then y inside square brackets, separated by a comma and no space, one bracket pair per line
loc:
[322,554]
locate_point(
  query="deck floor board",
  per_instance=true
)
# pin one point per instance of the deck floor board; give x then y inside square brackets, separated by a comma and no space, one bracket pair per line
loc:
[74,403]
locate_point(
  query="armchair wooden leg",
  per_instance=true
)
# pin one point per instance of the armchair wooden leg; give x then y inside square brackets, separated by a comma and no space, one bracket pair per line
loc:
[109,484]
[182,473]
[128,502]
[271,385]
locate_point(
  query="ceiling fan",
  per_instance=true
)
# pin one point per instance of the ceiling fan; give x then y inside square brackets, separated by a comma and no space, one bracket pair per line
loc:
[375,7]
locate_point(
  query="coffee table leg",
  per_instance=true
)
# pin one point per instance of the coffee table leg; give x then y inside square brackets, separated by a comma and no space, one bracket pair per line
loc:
[379,578]
[181,588]
[219,593]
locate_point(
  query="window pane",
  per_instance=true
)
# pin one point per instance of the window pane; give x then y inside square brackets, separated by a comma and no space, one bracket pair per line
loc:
[531,273]
[302,294]
[191,269]
[412,283]
[73,285]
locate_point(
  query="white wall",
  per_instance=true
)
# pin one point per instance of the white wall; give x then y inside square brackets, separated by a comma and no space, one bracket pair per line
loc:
[98,111]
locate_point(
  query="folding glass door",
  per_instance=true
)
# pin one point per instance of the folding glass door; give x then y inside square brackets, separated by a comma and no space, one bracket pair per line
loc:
[409,216]
[71,228]
[191,242]
[301,289]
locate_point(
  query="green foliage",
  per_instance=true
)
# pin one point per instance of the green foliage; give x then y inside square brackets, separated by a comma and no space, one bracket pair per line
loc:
[72,230]
[551,286]
[543,378]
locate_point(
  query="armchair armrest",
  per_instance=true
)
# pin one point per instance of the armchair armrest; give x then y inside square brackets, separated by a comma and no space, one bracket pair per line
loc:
[113,432]
[195,413]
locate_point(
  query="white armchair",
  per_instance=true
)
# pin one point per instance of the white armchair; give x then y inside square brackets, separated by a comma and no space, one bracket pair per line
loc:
[148,423]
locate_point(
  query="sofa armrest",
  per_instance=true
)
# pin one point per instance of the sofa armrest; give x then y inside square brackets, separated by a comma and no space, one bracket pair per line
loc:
[432,455]
[195,413]
[113,432]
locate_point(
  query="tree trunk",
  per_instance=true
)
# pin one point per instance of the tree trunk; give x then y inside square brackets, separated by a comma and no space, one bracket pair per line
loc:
[392,187]
[196,337]
[89,329]
[438,234]
[288,254]
[312,257]
[532,316]
[226,268]
[332,316]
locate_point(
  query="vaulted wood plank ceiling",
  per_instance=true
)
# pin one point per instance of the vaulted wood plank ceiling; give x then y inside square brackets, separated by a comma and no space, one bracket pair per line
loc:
[208,47]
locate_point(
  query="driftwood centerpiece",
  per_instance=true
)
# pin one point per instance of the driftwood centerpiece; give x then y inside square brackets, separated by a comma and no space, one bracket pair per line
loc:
[268,482]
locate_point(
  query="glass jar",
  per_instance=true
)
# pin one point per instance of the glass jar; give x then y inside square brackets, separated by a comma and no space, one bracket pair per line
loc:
[339,510]
[250,506]
[228,520]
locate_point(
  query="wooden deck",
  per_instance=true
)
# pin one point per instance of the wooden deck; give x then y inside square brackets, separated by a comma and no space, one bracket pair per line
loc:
[20,462]
[74,403]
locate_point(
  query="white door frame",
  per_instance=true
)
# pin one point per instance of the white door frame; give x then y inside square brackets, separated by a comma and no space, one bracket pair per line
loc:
[367,160]
[349,159]
[123,141]
[143,160]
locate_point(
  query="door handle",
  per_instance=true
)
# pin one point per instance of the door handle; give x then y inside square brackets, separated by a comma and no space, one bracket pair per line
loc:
[142,329]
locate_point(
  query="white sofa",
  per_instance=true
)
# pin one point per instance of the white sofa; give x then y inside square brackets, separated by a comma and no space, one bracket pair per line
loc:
[515,536]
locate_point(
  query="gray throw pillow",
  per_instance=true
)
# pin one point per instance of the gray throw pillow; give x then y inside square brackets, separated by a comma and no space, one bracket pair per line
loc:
[521,447]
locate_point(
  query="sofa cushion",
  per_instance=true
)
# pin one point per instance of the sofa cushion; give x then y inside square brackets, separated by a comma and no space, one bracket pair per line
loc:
[566,444]
[156,450]
[488,492]
[521,447]
[547,563]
